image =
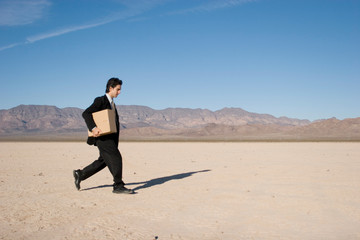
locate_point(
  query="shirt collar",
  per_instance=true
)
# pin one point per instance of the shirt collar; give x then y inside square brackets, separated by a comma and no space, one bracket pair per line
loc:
[109,98]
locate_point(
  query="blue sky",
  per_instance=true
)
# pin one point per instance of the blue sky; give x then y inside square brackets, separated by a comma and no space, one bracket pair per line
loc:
[294,58]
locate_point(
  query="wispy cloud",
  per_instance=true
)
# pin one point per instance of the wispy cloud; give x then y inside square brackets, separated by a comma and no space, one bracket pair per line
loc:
[208,6]
[9,46]
[21,12]
[18,12]
[59,32]
[131,10]
[134,8]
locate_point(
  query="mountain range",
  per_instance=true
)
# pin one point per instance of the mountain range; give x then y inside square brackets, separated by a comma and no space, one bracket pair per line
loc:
[144,123]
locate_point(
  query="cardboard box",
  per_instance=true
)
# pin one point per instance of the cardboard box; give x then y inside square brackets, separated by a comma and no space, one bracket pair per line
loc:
[105,121]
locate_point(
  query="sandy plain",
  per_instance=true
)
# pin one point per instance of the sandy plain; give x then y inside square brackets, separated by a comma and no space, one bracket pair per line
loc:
[184,190]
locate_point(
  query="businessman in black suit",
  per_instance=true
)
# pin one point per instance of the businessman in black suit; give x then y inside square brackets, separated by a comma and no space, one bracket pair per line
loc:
[110,155]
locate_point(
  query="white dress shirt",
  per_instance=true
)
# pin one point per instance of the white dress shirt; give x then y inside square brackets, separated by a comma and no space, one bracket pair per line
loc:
[110,100]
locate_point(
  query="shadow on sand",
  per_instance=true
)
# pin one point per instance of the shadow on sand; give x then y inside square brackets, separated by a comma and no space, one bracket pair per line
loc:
[162,180]
[153,182]
[91,188]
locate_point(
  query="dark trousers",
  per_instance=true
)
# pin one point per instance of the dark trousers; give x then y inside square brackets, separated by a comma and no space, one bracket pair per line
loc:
[110,156]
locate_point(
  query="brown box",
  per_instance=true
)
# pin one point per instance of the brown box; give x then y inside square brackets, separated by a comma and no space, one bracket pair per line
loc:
[105,121]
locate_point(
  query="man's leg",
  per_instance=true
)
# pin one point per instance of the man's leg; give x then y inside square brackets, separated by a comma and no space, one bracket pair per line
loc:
[112,157]
[93,168]
[88,171]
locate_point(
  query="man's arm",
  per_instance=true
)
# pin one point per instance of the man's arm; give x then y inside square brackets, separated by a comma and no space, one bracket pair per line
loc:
[87,115]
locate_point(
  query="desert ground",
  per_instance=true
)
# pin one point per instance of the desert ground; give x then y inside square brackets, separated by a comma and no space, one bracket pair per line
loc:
[184,190]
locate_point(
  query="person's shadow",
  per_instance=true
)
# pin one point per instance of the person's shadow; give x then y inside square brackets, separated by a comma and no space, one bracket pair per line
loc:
[162,180]
[155,181]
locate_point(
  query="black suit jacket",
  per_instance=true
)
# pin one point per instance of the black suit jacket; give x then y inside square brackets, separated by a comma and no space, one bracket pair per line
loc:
[100,103]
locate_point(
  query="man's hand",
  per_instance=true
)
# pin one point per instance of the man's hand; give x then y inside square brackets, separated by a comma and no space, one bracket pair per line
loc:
[96,132]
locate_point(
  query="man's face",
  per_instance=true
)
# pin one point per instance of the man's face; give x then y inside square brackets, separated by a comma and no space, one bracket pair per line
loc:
[114,92]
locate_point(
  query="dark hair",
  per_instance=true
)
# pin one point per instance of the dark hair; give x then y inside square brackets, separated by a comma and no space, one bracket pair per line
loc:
[112,82]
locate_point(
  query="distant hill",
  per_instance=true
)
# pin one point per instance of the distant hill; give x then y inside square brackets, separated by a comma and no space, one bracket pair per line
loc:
[141,122]
[40,118]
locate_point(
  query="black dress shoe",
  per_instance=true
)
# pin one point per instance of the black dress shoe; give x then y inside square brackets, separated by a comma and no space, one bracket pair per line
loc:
[122,189]
[76,174]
